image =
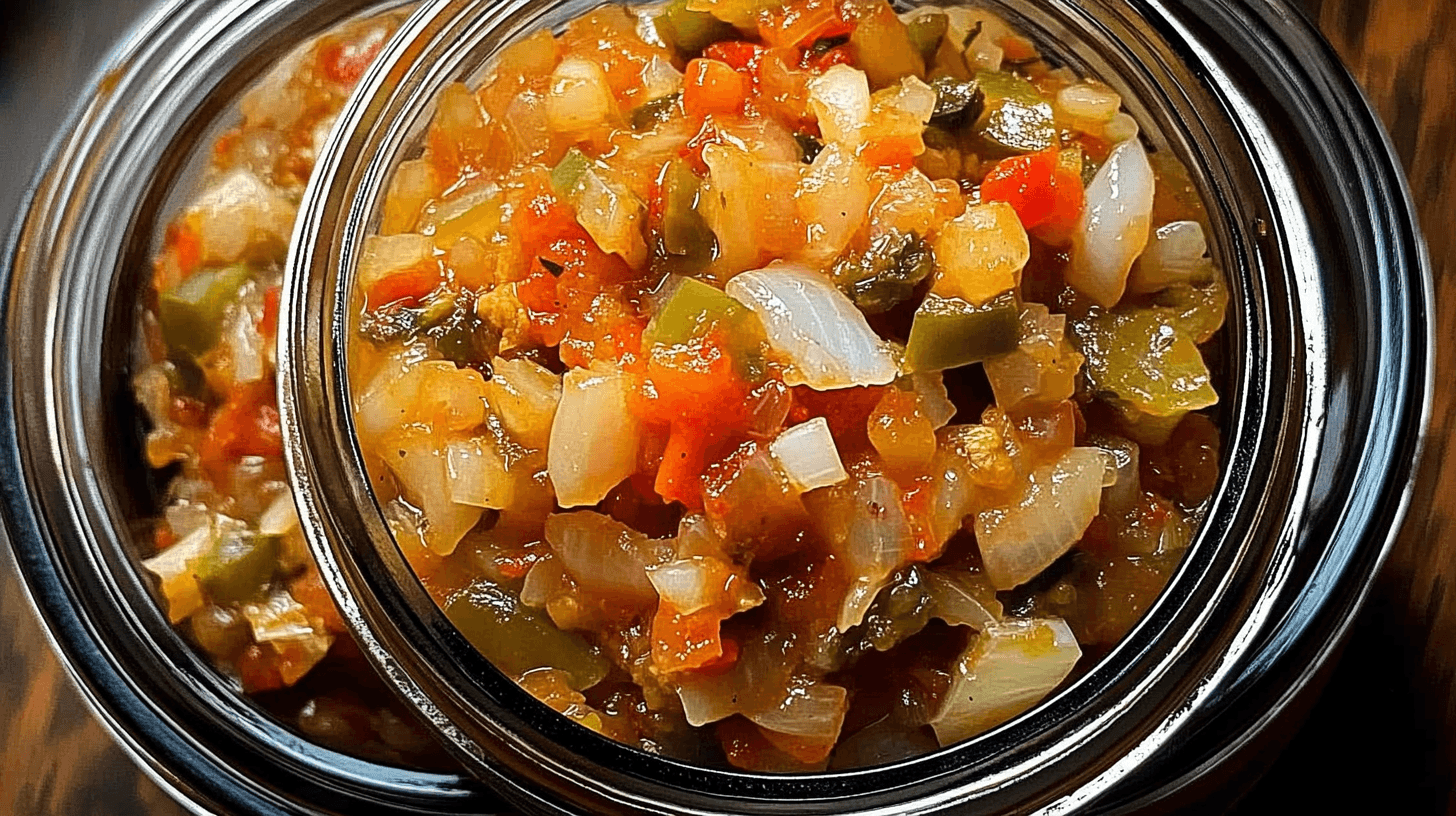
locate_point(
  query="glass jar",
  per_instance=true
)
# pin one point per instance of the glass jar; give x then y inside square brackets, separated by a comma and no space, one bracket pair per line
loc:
[77,516]
[1327,381]
[1322,425]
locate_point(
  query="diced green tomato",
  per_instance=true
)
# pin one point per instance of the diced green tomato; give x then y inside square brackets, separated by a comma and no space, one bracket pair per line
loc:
[691,31]
[950,332]
[693,307]
[1198,311]
[886,273]
[463,337]
[655,112]
[1017,119]
[958,102]
[684,232]
[926,32]
[191,312]
[237,567]
[518,639]
[568,172]
[1143,358]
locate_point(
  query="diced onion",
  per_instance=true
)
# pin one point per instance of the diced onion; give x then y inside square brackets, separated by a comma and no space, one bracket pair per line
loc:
[817,328]
[810,711]
[1007,669]
[174,567]
[1061,499]
[1114,225]
[834,198]
[524,395]
[419,466]
[956,604]
[685,583]
[602,555]
[1177,253]
[660,79]
[611,215]
[385,255]
[840,98]
[280,517]
[1088,102]
[580,97]
[808,457]
[237,213]
[594,437]
[478,475]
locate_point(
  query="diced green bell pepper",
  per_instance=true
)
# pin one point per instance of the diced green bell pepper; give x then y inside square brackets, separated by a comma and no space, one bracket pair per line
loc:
[1016,119]
[886,273]
[191,312]
[684,232]
[691,31]
[926,32]
[644,117]
[238,566]
[519,639]
[693,307]
[567,173]
[958,102]
[950,332]
[462,336]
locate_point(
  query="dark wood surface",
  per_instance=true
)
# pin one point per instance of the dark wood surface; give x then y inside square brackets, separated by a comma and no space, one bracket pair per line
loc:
[1382,737]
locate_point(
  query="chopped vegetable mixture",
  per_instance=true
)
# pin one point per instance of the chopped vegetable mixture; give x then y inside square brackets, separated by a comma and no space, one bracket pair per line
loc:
[792,386]
[234,572]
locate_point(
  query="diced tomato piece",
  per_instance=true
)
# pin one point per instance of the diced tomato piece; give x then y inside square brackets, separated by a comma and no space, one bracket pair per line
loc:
[1044,193]
[268,323]
[894,153]
[685,642]
[847,411]
[724,663]
[712,87]
[245,425]
[188,411]
[258,669]
[163,536]
[680,476]
[186,246]
[309,590]
[345,62]
[739,55]
[408,287]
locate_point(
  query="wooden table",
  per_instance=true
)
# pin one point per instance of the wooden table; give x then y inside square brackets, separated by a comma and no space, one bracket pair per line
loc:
[1383,733]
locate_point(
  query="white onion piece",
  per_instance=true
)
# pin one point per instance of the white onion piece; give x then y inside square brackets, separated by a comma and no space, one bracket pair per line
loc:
[420,468]
[1124,487]
[660,78]
[274,102]
[1061,499]
[545,580]
[686,583]
[174,567]
[810,322]
[580,96]
[956,604]
[610,214]
[834,196]
[840,98]
[384,255]
[934,397]
[594,437]
[239,212]
[1088,102]
[524,395]
[1176,253]
[245,343]
[1007,669]
[812,711]
[1114,225]
[280,517]
[865,524]
[282,619]
[1120,128]
[808,457]
[602,555]
[478,474]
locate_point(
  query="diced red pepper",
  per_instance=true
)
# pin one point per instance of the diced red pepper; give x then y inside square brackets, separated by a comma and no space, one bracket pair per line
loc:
[894,153]
[268,323]
[405,288]
[245,425]
[739,55]
[712,87]
[309,590]
[1042,192]
[186,247]
[345,62]
[258,669]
